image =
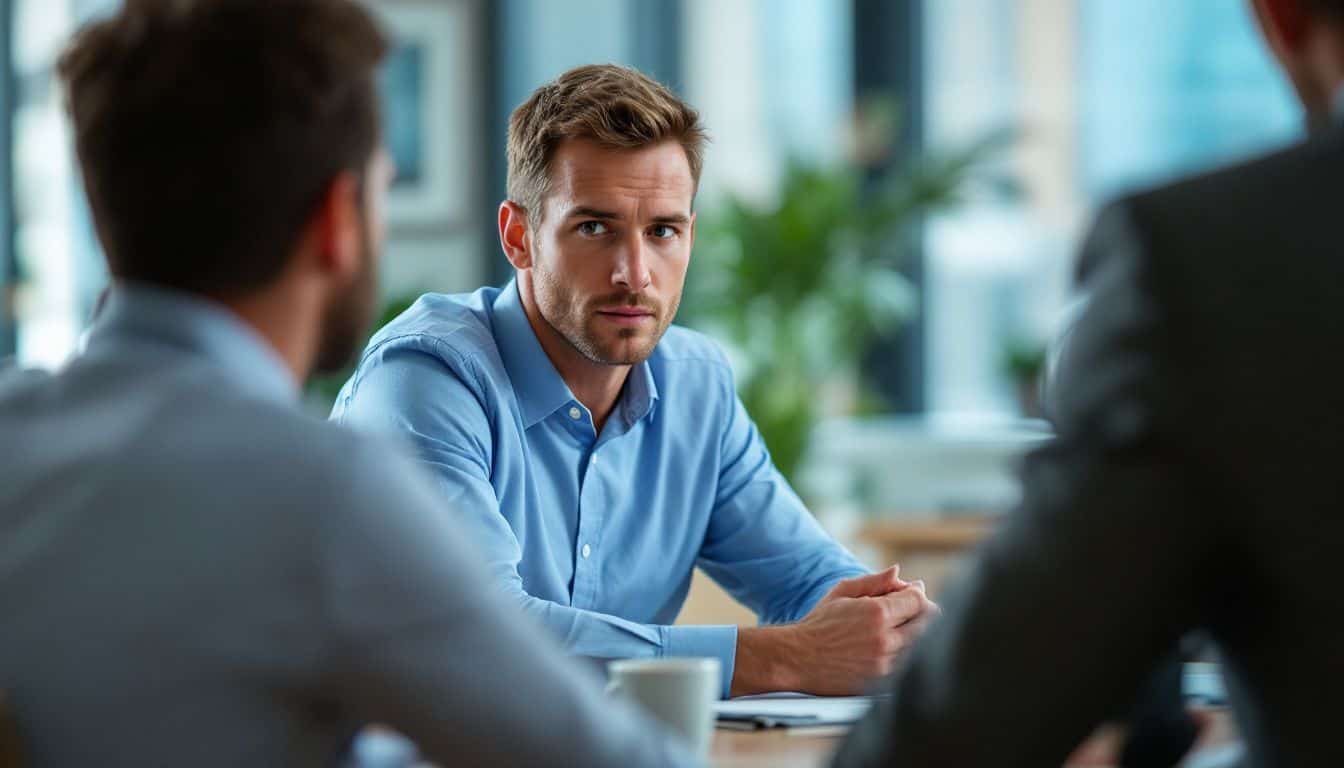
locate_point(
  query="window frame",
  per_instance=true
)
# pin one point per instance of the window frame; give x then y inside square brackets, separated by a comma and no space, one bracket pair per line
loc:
[889,60]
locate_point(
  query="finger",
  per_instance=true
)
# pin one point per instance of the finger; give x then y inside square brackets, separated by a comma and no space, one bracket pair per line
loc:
[920,625]
[903,639]
[902,606]
[872,585]
[918,586]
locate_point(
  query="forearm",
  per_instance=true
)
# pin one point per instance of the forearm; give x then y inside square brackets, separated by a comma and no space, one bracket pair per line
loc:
[767,661]
[604,636]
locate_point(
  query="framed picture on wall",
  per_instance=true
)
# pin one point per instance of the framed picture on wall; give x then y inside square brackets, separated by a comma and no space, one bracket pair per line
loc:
[427,95]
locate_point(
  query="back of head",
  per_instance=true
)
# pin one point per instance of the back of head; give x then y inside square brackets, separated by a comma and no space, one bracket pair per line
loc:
[208,131]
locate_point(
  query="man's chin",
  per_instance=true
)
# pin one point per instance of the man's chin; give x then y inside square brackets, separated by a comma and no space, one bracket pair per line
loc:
[627,357]
[626,350]
[618,346]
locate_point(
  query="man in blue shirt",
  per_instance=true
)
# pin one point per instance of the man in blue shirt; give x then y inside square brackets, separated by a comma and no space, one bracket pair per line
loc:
[596,453]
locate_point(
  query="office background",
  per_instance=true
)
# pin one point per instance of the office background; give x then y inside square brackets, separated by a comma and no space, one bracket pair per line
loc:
[1069,101]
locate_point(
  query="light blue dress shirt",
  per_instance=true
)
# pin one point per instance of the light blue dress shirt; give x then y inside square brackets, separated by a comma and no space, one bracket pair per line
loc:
[596,535]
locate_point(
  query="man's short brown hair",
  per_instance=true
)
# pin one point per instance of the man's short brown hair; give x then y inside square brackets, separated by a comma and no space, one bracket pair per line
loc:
[616,107]
[208,131]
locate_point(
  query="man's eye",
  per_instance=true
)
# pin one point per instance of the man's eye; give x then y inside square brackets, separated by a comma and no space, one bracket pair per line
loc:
[663,232]
[592,228]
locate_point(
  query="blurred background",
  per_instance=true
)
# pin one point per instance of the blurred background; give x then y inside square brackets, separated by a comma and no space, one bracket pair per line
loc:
[889,210]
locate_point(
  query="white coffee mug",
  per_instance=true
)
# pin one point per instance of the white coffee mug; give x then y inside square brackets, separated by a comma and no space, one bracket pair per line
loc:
[680,692]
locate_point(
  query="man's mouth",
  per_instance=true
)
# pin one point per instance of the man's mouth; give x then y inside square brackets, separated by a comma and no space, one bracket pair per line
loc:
[627,315]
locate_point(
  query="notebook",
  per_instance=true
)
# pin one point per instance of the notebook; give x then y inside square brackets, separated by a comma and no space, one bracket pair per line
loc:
[791,710]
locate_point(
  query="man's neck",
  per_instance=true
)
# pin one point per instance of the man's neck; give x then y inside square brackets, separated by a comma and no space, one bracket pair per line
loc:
[596,385]
[289,333]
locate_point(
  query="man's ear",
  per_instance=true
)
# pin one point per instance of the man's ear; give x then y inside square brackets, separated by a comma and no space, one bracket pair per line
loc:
[336,230]
[514,236]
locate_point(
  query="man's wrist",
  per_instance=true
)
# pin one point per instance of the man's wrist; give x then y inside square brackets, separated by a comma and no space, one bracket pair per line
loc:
[767,661]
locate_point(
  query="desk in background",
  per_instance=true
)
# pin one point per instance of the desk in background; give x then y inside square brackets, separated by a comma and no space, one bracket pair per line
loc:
[928,548]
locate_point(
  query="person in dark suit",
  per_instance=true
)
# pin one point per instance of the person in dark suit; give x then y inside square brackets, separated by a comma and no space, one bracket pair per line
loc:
[1193,483]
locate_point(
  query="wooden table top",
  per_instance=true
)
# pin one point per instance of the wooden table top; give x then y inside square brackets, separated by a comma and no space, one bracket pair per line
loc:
[776,748]
[928,533]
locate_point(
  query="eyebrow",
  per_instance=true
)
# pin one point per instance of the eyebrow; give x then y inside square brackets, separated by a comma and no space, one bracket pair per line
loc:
[584,212]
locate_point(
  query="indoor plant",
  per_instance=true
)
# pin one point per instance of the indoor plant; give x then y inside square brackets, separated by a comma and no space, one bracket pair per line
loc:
[798,289]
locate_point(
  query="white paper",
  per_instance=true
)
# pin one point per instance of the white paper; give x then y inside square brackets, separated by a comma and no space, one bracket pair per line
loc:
[817,710]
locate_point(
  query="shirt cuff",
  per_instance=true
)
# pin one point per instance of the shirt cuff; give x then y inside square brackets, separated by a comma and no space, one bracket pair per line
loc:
[717,642]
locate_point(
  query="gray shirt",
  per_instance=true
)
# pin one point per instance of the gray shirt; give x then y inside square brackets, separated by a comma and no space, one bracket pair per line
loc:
[193,572]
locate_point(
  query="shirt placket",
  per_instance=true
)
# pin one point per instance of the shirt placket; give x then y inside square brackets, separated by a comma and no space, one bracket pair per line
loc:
[592,504]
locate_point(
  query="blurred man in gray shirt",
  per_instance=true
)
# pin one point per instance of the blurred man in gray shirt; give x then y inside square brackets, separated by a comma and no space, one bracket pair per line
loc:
[193,572]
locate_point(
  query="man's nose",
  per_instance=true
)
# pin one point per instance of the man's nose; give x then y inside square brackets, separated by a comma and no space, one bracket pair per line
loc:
[632,267]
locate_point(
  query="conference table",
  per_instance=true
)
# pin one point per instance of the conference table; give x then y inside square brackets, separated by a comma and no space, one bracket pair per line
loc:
[777,748]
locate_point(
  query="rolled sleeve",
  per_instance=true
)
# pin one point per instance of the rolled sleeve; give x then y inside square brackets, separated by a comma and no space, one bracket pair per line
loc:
[717,642]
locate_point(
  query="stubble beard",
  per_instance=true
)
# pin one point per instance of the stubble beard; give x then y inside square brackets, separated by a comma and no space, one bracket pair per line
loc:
[348,316]
[574,321]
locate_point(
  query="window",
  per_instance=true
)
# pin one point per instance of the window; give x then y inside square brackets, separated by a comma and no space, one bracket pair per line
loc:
[1098,114]
[56,251]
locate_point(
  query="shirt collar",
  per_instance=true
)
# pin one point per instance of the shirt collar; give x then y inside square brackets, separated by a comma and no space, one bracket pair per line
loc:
[144,313]
[639,396]
[540,389]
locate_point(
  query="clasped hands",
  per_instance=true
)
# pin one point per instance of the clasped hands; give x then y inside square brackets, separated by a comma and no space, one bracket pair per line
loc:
[854,634]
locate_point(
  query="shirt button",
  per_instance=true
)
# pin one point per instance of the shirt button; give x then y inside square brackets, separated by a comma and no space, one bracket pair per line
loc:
[592,459]
[575,413]
[587,550]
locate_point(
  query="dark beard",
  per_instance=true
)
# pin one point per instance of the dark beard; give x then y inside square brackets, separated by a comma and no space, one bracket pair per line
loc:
[347,317]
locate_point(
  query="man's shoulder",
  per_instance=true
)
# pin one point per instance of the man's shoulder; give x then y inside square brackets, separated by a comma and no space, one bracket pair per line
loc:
[16,381]
[1250,193]
[273,455]
[449,326]
[1228,213]
[691,362]
[683,345]
[185,430]
[458,322]
[250,435]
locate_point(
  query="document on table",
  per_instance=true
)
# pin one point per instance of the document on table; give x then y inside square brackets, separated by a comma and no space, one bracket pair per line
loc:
[789,710]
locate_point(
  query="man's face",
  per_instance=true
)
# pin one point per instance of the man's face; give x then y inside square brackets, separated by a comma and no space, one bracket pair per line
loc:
[349,314]
[609,257]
